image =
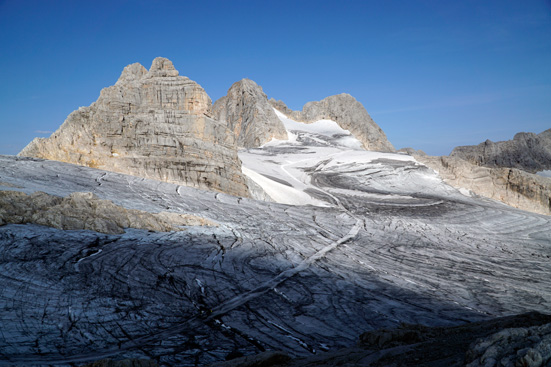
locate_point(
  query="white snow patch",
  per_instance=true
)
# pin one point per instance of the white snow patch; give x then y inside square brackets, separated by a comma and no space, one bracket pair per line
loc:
[321,127]
[466,192]
[363,156]
[282,193]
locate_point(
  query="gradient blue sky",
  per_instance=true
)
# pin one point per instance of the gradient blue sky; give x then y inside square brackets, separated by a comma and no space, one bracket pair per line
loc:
[432,74]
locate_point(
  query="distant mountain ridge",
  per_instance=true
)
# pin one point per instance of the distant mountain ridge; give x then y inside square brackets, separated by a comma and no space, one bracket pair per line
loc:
[502,171]
[157,124]
[526,151]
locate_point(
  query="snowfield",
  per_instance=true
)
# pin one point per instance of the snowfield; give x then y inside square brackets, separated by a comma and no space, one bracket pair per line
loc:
[354,241]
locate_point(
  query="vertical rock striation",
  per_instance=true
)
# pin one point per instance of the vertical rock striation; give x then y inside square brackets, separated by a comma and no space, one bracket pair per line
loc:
[348,113]
[503,171]
[152,124]
[246,111]
[512,186]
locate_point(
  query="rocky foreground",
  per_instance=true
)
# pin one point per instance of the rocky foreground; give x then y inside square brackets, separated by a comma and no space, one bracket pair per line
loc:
[523,340]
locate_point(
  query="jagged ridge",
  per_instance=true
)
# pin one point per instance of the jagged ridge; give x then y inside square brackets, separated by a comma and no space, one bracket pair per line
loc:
[346,111]
[526,151]
[150,124]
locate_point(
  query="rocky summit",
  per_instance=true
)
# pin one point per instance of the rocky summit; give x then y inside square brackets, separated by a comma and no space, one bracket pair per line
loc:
[348,113]
[246,111]
[151,124]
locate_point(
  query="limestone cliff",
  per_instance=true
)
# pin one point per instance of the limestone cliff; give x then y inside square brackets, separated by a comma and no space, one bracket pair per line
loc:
[512,186]
[346,111]
[526,151]
[246,111]
[503,171]
[151,124]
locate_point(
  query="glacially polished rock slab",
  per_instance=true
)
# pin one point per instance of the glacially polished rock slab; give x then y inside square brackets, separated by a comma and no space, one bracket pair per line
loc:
[392,244]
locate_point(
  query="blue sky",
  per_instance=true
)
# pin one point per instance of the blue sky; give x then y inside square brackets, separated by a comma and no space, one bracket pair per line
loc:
[433,74]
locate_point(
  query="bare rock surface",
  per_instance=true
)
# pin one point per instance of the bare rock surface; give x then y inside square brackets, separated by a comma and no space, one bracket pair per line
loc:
[281,106]
[346,111]
[246,112]
[150,124]
[84,210]
[388,243]
[516,346]
[512,186]
[520,340]
[411,151]
[264,359]
[526,151]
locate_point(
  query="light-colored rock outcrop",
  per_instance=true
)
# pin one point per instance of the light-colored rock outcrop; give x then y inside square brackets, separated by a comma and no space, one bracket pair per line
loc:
[523,346]
[84,210]
[150,124]
[246,112]
[281,106]
[512,186]
[411,151]
[526,151]
[503,171]
[346,111]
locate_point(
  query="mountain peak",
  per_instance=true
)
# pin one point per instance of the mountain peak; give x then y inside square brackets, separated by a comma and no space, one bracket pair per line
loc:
[247,112]
[132,72]
[150,124]
[162,66]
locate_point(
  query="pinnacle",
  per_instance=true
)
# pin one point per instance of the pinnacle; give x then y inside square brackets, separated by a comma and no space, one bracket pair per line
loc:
[162,66]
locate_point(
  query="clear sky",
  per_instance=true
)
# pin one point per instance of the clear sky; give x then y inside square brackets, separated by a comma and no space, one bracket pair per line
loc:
[433,74]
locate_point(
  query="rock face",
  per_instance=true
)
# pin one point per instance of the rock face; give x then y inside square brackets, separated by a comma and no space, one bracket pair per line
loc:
[512,186]
[346,111]
[411,151]
[246,112]
[150,124]
[281,106]
[84,210]
[527,151]
[503,171]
